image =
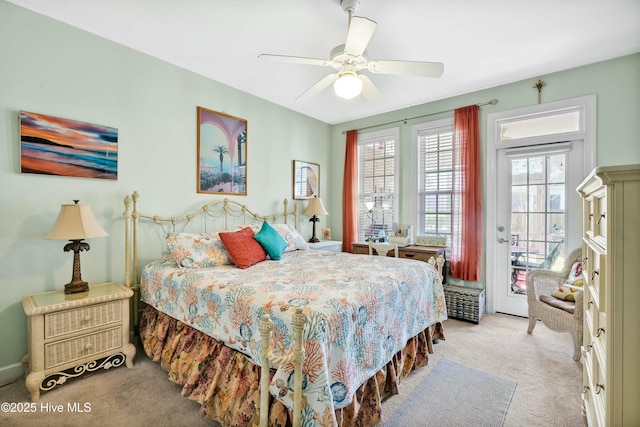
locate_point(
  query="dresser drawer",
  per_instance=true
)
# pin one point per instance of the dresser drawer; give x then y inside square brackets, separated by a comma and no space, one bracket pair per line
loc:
[601,216]
[61,352]
[598,393]
[594,273]
[590,212]
[599,337]
[593,393]
[79,319]
[590,313]
[598,218]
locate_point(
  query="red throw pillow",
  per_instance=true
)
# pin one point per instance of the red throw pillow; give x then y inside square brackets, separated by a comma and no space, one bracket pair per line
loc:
[243,249]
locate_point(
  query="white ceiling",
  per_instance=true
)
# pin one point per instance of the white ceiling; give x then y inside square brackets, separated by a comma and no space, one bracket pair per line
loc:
[481,43]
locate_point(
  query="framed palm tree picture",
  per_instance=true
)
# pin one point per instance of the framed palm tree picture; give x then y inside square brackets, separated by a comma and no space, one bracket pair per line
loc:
[222,153]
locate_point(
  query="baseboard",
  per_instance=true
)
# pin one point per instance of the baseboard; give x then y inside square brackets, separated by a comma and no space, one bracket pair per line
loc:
[10,373]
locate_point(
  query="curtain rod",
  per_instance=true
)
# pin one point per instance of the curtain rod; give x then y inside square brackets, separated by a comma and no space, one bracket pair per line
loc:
[494,101]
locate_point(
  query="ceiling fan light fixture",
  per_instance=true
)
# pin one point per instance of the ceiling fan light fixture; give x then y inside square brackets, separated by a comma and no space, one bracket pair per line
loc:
[348,86]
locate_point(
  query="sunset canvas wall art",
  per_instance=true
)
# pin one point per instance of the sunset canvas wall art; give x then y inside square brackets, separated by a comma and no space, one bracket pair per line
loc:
[54,146]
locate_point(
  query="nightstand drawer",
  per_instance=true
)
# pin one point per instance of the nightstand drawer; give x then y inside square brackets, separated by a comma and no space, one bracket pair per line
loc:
[61,352]
[79,319]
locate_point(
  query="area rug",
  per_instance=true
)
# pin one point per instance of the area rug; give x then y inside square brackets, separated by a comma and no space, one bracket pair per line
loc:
[455,395]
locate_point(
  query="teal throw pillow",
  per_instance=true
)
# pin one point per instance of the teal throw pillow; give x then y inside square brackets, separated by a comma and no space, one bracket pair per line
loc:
[271,241]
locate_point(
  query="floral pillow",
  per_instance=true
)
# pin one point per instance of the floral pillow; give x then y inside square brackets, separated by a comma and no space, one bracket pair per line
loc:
[290,235]
[565,293]
[572,285]
[575,275]
[197,250]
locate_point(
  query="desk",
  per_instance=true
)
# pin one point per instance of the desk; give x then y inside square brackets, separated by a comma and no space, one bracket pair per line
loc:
[420,253]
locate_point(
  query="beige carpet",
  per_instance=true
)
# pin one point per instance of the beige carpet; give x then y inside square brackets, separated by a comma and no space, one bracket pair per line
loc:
[548,381]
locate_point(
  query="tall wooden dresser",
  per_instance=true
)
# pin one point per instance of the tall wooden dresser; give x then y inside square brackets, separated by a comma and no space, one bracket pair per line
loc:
[611,343]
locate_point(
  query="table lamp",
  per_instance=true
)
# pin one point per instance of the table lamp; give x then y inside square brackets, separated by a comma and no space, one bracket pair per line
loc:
[75,223]
[314,208]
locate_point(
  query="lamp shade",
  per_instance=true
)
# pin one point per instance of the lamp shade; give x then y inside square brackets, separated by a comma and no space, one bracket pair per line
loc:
[315,207]
[348,86]
[76,222]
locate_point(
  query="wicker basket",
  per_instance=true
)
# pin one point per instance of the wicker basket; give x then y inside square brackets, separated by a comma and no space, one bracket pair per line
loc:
[464,303]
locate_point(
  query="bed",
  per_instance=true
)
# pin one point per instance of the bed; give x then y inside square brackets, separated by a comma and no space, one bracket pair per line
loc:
[368,321]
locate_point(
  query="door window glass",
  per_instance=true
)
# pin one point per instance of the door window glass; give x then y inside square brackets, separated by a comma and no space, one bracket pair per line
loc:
[538,194]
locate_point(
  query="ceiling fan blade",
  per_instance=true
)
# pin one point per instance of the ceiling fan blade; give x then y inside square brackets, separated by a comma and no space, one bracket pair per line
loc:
[369,90]
[295,59]
[321,85]
[360,32]
[411,68]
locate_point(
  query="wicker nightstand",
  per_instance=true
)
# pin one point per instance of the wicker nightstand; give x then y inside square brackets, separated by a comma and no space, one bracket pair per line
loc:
[75,331]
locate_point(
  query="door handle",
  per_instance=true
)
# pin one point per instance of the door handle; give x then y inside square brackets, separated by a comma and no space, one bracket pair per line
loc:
[501,240]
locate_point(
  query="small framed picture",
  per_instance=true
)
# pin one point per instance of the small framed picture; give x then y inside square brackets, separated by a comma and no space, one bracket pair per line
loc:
[326,234]
[306,180]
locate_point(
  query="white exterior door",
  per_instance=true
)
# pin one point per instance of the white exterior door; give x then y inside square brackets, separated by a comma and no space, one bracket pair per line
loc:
[536,157]
[538,215]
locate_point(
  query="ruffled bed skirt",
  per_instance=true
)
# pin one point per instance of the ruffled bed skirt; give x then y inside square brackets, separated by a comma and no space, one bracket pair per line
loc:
[227,384]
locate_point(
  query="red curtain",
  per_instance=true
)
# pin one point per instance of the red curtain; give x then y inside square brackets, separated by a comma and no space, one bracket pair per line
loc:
[466,236]
[350,192]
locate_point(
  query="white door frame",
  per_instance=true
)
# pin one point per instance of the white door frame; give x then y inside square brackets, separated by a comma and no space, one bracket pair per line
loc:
[587,134]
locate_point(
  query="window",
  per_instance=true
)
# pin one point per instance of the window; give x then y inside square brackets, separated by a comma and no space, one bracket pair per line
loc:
[434,178]
[540,127]
[377,182]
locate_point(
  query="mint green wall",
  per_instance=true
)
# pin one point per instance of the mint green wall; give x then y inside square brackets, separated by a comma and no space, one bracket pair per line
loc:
[51,68]
[616,84]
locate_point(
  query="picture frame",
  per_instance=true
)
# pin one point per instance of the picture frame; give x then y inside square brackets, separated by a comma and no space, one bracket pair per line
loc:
[306,180]
[222,153]
[326,234]
[63,147]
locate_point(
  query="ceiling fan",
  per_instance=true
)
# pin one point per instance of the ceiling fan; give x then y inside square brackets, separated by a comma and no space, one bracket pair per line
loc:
[350,58]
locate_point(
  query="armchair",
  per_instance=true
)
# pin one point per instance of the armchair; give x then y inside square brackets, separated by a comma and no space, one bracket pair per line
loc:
[557,315]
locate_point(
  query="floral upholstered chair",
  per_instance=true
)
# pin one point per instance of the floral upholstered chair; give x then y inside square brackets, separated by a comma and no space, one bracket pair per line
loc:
[555,297]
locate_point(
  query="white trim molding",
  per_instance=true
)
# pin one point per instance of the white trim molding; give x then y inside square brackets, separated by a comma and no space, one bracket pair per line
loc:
[587,134]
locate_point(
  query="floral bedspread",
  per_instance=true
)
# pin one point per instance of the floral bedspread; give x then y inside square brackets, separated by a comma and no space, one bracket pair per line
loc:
[361,310]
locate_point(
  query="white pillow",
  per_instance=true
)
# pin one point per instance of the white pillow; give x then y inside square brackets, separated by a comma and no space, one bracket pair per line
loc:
[290,235]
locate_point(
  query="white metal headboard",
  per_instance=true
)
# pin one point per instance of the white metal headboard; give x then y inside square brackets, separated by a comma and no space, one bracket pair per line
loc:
[217,215]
